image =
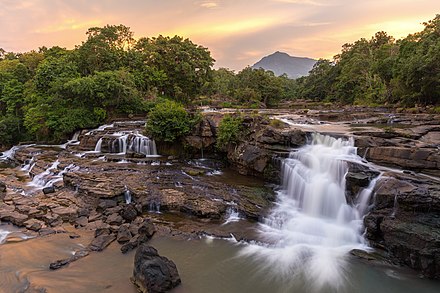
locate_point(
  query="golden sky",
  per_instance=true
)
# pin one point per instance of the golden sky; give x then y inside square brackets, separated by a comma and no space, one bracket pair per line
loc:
[237,32]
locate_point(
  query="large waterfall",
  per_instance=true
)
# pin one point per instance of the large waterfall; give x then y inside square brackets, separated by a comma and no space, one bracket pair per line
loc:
[312,228]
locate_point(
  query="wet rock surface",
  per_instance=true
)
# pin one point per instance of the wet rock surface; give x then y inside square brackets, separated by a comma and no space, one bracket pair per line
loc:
[154,273]
[189,199]
[405,222]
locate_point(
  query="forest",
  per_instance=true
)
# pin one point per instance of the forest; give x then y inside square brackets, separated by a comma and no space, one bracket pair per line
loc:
[48,93]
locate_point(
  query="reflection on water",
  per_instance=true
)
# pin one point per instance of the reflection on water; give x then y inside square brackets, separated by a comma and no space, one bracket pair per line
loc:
[206,265]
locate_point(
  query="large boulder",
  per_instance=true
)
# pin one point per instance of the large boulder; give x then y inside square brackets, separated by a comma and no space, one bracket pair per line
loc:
[405,222]
[154,273]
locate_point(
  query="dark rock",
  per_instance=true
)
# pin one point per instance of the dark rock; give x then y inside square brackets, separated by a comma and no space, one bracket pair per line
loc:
[2,190]
[63,262]
[153,273]
[101,242]
[47,190]
[130,245]
[129,212]
[147,228]
[124,234]
[102,231]
[106,204]
[114,219]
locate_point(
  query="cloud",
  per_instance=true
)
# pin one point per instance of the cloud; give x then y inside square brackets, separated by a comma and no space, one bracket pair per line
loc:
[209,4]
[303,2]
[69,24]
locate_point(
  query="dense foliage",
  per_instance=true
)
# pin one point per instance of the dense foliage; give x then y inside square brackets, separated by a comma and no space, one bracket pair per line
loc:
[49,93]
[380,71]
[254,88]
[229,130]
[169,121]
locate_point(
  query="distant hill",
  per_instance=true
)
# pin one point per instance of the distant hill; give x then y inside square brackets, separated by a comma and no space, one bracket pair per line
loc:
[281,63]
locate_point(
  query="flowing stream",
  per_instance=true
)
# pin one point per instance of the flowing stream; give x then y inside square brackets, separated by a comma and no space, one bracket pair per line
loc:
[312,229]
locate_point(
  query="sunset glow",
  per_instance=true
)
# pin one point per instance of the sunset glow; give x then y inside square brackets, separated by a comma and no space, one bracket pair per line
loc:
[238,33]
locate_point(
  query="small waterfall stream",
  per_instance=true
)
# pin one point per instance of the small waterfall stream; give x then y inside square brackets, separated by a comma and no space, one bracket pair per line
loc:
[312,228]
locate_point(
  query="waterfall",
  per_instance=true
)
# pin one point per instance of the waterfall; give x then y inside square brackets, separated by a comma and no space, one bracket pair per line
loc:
[50,176]
[3,235]
[98,145]
[9,154]
[312,228]
[143,145]
[127,195]
[29,165]
[119,145]
[232,215]
[43,178]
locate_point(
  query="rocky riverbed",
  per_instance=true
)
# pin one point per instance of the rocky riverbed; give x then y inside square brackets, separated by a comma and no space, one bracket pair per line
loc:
[101,182]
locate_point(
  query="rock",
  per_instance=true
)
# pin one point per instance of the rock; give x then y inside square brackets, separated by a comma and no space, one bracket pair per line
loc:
[15,218]
[100,242]
[106,204]
[2,190]
[66,213]
[81,221]
[153,273]
[114,219]
[130,245]
[147,228]
[47,190]
[63,262]
[34,225]
[129,212]
[124,234]
[404,222]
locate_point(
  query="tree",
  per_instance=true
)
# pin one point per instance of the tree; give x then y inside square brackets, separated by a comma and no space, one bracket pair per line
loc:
[105,49]
[187,66]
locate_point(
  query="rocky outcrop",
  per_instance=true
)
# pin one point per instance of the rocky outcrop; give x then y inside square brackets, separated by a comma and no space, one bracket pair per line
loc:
[405,222]
[154,273]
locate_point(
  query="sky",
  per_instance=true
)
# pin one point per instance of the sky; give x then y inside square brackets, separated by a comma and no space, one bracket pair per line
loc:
[237,32]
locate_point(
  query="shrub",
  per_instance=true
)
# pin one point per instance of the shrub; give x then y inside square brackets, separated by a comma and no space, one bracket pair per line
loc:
[168,121]
[229,130]
[276,123]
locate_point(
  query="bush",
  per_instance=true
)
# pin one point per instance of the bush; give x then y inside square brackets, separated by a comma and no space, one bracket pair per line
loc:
[168,121]
[229,130]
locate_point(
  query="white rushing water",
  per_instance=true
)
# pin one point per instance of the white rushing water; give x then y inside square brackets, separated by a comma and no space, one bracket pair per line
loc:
[312,228]
[134,142]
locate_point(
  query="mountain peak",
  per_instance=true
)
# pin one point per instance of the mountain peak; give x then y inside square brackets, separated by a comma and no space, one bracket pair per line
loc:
[282,63]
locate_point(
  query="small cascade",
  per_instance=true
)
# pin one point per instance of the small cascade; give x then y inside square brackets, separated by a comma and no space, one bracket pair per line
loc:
[50,176]
[313,228]
[232,215]
[364,196]
[9,154]
[98,145]
[3,235]
[43,178]
[100,129]
[154,206]
[395,205]
[119,145]
[143,145]
[123,142]
[127,195]
[75,136]
[29,165]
